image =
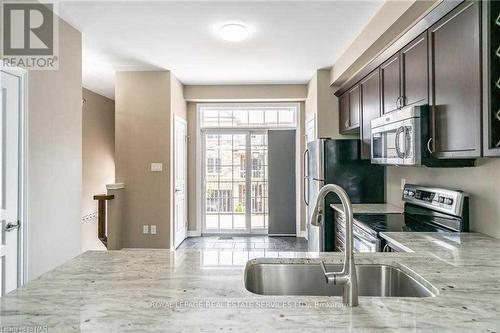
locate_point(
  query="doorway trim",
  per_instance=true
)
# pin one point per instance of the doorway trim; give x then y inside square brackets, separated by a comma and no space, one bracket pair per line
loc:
[22,74]
[173,230]
[299,120]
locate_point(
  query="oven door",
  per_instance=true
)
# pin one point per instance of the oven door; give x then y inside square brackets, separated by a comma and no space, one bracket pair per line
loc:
[397,143]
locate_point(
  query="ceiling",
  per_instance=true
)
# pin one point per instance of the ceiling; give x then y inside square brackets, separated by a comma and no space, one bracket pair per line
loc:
[288,41]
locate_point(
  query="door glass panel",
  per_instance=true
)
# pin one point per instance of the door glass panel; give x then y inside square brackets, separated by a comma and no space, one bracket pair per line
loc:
[227,173]
[225,182]
[259,181]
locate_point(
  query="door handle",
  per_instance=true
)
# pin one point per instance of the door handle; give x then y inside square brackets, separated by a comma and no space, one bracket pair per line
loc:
[177,190]
[305,179]
[12,226]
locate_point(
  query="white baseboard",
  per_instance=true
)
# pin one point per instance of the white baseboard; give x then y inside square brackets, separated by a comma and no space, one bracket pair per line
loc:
[193,233]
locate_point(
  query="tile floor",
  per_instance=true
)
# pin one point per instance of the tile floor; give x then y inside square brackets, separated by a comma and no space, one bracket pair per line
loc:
[295,244]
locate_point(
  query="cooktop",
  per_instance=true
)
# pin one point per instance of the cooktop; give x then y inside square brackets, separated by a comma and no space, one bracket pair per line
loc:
[375,223]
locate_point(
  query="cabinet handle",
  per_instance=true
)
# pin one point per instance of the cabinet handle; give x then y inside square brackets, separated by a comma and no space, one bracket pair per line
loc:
[397,103]
[346,123]
[429,147]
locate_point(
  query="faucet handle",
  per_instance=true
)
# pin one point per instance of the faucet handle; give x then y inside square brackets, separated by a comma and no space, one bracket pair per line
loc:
[329,276]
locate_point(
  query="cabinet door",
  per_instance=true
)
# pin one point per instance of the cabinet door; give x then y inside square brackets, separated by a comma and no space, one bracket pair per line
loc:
[455,83]
[354,107]
[391,83]
[370,109]
[344,112]
[414,72]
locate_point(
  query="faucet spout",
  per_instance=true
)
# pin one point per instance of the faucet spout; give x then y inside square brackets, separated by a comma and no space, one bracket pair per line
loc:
[347,277]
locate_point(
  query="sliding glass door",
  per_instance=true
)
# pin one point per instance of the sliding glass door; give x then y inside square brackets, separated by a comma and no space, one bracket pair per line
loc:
[235,161]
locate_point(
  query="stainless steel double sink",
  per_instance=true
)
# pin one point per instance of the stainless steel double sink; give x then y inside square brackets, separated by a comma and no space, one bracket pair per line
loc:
[307,279]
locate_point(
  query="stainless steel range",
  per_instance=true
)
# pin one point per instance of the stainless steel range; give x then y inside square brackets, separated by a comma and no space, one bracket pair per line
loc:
[427,209]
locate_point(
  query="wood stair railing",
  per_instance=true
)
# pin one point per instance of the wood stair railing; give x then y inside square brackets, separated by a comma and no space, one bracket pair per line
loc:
[101,216]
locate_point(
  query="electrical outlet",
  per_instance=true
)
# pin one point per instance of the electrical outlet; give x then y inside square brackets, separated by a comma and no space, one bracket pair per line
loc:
[153,229]
[145,229]
[403,183]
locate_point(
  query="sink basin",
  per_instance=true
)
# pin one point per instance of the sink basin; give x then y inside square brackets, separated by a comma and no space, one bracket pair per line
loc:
[308,279]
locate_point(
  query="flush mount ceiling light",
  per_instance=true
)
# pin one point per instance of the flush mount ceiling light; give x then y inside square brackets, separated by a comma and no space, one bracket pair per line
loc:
[233,32]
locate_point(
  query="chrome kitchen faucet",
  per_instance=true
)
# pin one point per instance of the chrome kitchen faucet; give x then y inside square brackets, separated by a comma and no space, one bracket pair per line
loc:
[346,277]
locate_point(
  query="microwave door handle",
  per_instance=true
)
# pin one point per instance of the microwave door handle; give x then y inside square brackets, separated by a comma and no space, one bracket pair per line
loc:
[398,133]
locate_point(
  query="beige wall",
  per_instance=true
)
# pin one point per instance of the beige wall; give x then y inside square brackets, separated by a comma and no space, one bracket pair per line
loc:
[55,157]
[98,145]
[178,103]
[246,93]
[143,135]
[193,160]
[481,182]
[389,23]
[323,106]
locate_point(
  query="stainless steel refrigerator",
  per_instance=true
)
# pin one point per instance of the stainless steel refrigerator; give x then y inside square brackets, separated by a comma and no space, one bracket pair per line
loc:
[329,161]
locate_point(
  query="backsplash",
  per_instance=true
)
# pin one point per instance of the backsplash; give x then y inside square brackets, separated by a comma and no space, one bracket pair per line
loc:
[481,182]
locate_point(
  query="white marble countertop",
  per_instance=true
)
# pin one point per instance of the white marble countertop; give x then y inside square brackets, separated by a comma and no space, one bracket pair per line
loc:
[370,208]
[203,290]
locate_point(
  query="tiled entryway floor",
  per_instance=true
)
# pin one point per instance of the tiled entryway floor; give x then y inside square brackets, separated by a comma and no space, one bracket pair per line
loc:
[295,244]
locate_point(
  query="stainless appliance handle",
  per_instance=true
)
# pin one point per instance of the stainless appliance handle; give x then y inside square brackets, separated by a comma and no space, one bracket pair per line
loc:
[429,148]
[398,133]
[407,142]
[305,178]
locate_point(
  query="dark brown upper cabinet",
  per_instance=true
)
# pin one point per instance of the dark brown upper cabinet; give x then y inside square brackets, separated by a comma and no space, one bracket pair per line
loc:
[354,107]
[349,111]
[414,72]
[344,113]
[491,78]
[455,83]
[370,109]
[391,83]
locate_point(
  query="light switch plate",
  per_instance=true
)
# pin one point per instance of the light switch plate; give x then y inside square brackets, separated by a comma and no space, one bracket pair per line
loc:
[153,229]
[145,229]
[156,167]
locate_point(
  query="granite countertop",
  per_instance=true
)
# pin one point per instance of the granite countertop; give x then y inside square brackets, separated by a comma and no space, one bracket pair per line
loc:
[195,290]
[370,208]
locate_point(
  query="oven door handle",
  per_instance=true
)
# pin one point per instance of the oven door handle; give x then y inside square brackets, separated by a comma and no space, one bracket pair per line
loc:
[371,245]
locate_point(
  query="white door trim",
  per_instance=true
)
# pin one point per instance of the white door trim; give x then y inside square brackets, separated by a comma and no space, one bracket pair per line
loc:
[184,122]
[199,153]
[23,170]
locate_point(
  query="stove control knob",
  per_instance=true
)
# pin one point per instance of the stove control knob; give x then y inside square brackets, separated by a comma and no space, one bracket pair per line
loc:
[411,193]
[448,201]
[441,199]
[406,192]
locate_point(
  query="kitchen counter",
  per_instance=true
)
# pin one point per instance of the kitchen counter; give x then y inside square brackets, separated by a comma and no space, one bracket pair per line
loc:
[203,290]
[370,208]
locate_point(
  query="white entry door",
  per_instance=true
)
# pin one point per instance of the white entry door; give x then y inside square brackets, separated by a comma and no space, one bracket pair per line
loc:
[9,180]
[180,168]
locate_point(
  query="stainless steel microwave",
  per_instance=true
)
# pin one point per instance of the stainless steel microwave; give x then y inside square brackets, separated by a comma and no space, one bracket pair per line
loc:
[400,137]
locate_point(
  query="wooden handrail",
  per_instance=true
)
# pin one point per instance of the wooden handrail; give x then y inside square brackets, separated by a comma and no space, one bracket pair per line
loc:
[101,216]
